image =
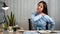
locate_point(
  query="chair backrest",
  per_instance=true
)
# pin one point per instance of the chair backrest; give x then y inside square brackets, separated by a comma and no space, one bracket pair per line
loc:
[47,25]
[30,24]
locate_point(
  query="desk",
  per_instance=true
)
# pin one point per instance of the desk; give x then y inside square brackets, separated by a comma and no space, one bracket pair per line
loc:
[29,32]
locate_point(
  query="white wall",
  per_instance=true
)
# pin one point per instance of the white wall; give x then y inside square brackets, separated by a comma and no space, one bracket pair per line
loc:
[54,8]
[24,8]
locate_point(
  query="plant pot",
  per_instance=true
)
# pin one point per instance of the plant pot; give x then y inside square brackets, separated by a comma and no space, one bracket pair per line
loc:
[14,29]
[10,28]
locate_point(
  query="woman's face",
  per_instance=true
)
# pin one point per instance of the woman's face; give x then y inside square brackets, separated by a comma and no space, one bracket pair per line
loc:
[39,8]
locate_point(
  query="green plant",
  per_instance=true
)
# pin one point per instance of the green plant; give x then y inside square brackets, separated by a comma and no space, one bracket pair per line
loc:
[11,19]
[4,26]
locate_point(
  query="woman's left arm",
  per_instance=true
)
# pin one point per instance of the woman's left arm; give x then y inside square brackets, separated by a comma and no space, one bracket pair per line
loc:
[52,24]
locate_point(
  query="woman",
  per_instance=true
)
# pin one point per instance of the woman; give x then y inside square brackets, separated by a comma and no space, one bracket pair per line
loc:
[40,18]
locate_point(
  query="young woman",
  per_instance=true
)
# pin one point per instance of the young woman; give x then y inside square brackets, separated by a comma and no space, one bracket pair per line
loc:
[40,18]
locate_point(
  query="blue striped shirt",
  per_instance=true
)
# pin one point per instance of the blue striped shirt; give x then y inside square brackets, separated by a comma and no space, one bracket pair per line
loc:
[39,22]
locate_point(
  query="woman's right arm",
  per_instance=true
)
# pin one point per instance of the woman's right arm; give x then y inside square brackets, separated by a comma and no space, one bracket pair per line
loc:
[35,18]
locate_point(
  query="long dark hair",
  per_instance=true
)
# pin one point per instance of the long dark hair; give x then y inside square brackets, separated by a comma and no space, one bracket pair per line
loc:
[45,10]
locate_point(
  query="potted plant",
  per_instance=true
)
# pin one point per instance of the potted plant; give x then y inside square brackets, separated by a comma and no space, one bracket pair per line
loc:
[11,20]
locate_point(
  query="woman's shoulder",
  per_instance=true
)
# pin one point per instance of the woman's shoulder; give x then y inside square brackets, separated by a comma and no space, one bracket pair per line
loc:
[47,16]
[34,13]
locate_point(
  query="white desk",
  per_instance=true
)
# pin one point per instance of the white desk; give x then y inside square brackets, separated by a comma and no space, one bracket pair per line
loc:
[30,32]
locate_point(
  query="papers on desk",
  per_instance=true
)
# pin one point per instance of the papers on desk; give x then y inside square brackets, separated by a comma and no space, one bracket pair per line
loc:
[41,31]
[48,31]
[30,32]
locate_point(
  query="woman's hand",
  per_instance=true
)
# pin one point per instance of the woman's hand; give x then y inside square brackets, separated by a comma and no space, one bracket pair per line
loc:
[42,14]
